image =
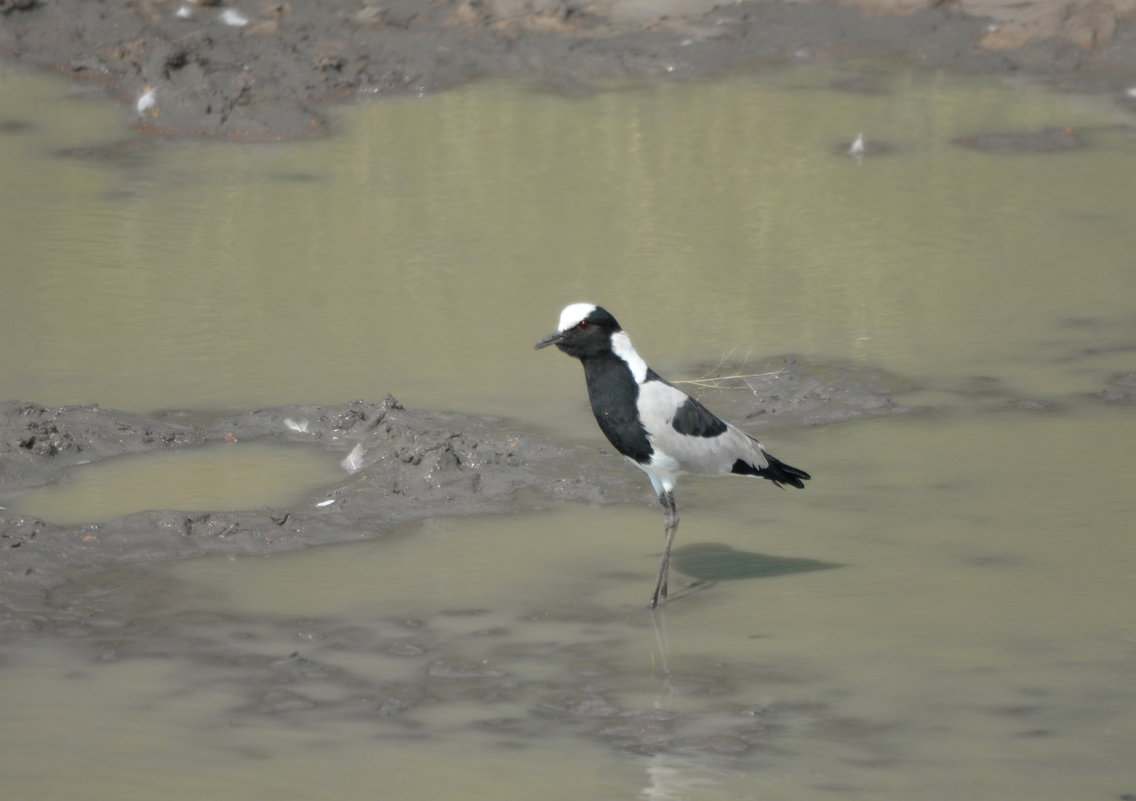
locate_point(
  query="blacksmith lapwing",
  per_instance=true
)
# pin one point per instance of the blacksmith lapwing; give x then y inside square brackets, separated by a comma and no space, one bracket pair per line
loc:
[656,425]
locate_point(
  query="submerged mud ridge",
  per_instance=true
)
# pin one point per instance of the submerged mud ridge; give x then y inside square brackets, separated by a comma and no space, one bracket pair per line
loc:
[457,659]
[518,678]
[265,70]
[404,465]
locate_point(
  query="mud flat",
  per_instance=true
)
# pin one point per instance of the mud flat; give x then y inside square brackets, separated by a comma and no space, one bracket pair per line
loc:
[408,465]
[268,70]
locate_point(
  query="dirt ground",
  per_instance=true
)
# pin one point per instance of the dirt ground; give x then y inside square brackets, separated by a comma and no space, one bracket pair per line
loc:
[267,70]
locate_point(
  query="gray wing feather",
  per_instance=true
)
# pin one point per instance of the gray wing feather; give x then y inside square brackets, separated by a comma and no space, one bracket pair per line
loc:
[715,455]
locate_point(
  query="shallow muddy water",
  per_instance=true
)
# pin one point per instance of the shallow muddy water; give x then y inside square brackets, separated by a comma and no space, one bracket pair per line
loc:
[941,631]
[946,612]
[425,247]
[229,476]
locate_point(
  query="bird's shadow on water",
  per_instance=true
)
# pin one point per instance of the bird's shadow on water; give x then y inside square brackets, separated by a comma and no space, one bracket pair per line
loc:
[711,562]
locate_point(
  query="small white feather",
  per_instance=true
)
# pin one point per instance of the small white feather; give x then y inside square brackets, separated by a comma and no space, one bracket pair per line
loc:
[147,100]
[354,461]
[230,16]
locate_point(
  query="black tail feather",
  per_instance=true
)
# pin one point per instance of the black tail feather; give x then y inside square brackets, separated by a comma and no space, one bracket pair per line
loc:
[776,471]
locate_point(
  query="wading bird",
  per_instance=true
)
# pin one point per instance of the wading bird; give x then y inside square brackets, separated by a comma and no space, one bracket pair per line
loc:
[656,425]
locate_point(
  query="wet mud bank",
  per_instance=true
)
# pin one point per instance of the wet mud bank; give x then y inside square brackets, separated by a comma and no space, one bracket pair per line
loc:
[268,70]
[399,465]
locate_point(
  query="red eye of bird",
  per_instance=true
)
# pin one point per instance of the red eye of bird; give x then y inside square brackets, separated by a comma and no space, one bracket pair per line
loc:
[583,324]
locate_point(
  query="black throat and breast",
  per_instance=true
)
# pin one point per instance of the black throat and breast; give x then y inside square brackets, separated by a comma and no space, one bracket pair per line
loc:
[614,395]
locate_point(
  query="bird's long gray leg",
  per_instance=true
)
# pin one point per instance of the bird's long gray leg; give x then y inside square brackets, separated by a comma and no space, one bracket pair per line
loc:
[670,522]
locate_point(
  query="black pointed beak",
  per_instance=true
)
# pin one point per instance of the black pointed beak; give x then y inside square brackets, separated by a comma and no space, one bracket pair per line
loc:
[551,339]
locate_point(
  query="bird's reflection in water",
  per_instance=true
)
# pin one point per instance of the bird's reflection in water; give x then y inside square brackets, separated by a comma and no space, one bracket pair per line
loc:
[677,777]
[673,771]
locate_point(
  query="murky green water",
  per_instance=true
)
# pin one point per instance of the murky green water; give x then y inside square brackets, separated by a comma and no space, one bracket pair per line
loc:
[971,634]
